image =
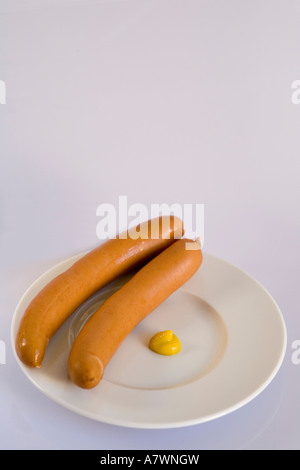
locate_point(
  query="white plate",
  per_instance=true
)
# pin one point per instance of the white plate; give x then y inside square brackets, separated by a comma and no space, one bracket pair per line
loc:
[233,340]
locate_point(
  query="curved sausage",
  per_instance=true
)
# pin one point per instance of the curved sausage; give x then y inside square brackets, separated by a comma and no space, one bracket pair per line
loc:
[66,292]
[104,332]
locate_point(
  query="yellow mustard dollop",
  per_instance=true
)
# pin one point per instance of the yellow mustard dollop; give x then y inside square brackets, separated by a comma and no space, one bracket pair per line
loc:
[165,343]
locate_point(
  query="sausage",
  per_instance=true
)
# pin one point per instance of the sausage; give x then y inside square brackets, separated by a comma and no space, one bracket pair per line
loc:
[61,296]
[104,332]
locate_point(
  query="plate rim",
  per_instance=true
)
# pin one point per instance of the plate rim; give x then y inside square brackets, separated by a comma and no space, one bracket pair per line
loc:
[149,425]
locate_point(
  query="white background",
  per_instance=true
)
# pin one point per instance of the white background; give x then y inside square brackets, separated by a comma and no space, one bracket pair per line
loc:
[175,101]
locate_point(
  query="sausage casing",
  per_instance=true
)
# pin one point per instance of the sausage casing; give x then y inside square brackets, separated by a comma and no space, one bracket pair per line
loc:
[104,332]
[51,307]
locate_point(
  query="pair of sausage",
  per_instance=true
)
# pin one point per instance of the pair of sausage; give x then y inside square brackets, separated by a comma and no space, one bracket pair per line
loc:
[166,265]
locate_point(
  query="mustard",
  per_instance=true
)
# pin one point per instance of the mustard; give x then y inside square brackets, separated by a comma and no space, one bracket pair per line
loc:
[165,343]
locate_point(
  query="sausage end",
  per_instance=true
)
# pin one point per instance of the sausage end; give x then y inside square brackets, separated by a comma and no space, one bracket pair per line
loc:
[85,371]
[28,352]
